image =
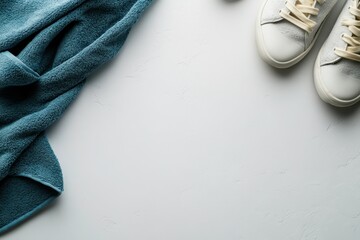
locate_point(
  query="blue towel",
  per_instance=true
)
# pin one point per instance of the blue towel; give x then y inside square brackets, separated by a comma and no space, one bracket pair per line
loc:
[47,50]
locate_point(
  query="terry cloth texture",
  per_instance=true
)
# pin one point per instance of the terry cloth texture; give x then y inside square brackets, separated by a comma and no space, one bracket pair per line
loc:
[47,50]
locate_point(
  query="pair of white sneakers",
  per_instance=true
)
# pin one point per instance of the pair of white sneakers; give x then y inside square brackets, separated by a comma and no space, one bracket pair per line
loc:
[288,29]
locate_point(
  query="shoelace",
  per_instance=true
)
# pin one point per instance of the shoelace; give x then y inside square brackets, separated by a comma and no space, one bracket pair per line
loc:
[299,13]
[352,50]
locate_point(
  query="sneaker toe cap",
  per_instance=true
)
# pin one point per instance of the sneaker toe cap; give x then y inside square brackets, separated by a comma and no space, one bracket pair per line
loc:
[340,82]
[282,42]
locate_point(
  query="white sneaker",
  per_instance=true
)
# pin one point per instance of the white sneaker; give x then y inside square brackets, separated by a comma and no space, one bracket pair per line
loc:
[287,30]
[337,67]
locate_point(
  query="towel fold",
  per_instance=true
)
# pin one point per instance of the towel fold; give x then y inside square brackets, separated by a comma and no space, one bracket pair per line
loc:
[47,50]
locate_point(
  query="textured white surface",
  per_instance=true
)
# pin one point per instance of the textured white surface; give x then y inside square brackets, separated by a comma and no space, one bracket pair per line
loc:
[189,135]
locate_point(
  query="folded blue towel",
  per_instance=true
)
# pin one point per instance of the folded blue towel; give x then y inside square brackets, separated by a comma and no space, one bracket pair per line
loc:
[47,50]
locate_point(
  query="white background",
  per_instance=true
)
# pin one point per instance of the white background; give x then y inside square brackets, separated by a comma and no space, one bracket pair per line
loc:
[189,135]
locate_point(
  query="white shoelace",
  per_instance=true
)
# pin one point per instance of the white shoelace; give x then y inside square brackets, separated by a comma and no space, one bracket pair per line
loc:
[299,13]
[352,51]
